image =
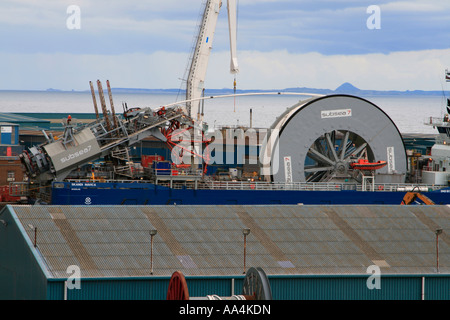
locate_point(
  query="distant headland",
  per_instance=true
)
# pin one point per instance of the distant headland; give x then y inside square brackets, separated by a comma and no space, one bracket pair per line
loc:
[345,88]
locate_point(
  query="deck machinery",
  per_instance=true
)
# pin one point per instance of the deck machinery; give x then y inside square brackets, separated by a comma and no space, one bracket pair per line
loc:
[110,136]
[320,140]
[107,137]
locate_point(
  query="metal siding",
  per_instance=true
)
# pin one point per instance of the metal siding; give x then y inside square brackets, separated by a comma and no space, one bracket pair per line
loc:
[314,287]
[55,290]
[202,287]
[21,276]
[112,289]
[345,288]
[437,288]
[238,283]
[16,135]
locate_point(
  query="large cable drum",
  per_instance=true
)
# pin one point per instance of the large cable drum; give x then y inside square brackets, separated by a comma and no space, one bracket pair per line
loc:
[320,140]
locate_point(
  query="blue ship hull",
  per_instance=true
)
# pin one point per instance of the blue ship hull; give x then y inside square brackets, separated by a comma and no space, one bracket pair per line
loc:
[116,193]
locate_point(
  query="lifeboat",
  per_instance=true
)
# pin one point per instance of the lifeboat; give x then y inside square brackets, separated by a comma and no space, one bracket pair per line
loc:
[363,164]
[182,166]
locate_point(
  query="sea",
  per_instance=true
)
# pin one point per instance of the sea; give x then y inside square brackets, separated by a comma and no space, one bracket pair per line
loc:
[408,112]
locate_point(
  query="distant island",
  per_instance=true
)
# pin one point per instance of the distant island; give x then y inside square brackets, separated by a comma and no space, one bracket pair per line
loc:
[345,88]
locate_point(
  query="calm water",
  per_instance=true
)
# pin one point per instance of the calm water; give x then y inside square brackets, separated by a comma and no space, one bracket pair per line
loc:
[408,113]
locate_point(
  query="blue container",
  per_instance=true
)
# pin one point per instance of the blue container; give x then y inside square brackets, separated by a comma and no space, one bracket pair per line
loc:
[9,134]
[162,168]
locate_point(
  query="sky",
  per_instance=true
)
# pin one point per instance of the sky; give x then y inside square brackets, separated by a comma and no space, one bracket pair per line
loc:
[399,45]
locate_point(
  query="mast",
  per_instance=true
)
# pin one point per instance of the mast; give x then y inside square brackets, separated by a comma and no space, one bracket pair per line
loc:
[447,79]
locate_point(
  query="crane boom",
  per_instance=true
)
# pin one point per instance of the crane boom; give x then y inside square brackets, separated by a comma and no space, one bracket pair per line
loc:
[232,27]
[202,51]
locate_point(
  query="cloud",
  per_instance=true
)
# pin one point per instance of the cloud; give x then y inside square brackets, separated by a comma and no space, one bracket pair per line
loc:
[339,27]
[280,43]
[328,27]
[419,6]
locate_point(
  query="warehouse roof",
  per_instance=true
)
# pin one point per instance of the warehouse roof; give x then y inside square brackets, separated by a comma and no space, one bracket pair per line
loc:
[114,241]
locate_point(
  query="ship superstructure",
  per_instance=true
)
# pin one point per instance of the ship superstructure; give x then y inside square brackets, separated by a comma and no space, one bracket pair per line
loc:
[437,170]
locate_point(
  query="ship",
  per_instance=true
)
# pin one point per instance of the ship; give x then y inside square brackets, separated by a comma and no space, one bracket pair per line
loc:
[91,165]
[326,149]
[131,193]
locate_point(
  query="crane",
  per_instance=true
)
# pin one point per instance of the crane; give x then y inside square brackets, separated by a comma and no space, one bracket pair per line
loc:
[202,51]
[110,136]
[410,197]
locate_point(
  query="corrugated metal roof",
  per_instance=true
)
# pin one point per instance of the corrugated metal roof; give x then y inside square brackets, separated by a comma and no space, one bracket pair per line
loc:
[207,240]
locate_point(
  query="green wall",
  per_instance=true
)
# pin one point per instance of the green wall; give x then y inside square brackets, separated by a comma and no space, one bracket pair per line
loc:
[286,287]
[21,277]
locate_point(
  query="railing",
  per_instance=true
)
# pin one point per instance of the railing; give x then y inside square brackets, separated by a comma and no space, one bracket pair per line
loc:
[305,186]
[382,187]
[19,189]
[168,172]
[434,121]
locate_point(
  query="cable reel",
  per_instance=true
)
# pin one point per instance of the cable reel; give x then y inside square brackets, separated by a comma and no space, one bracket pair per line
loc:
[256,286]
[322,139]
